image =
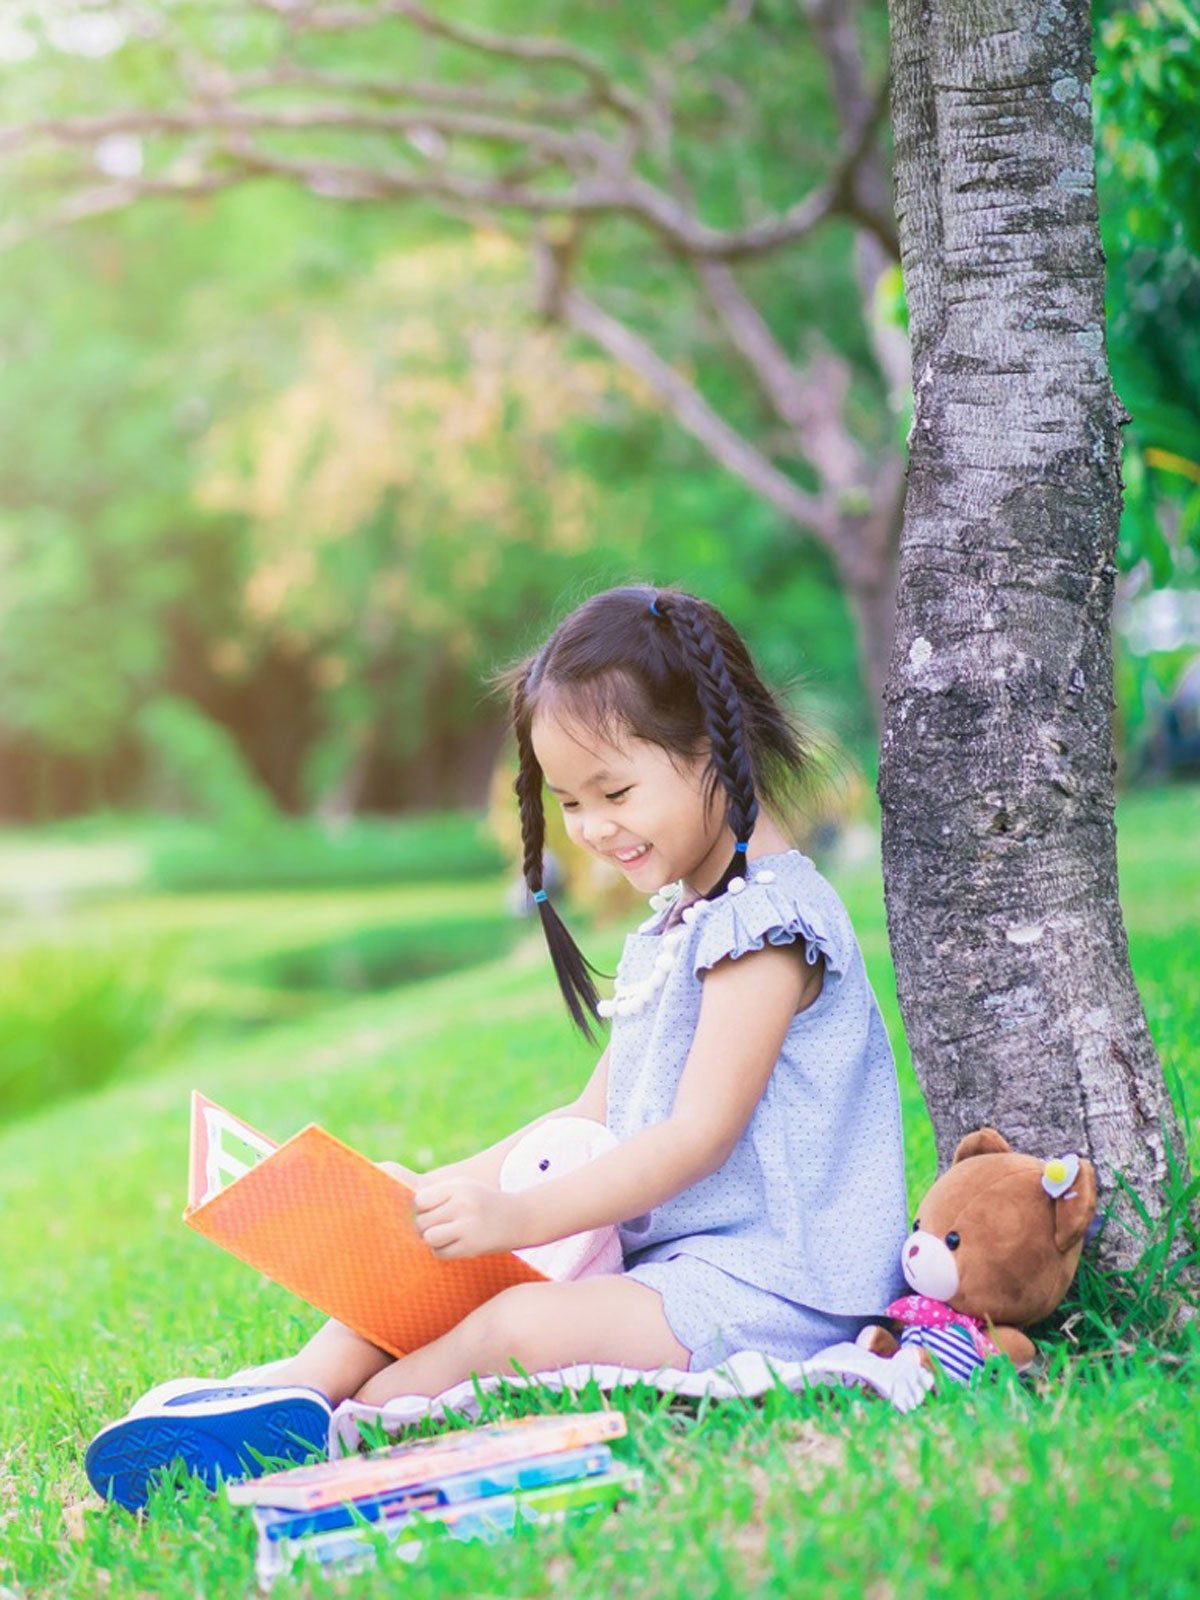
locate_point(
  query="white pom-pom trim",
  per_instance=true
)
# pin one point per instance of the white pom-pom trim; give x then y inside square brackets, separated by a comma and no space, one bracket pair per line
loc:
[630,997]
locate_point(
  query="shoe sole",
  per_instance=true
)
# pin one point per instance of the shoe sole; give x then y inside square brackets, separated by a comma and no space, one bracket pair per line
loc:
[122,1458]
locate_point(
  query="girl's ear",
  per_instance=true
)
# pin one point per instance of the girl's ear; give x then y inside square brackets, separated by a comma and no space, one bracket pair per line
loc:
[699,756]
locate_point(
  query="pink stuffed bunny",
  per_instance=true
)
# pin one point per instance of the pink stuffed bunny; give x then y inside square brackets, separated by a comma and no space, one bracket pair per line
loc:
[557,1146]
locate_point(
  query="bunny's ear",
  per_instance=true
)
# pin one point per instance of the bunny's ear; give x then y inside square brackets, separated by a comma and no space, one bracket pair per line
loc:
[1074,1210]
[983,1142]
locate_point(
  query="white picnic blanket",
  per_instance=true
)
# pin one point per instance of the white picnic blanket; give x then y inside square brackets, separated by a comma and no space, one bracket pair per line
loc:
[900,1379]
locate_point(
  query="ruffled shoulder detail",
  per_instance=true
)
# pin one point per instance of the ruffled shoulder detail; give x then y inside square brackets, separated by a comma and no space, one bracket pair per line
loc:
[780,903]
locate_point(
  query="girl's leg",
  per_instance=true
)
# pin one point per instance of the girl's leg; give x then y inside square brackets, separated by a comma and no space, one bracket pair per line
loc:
[335,1360]
[610,1319]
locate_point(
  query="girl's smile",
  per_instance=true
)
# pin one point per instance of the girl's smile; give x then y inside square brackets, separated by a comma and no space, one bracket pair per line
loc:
[630,858]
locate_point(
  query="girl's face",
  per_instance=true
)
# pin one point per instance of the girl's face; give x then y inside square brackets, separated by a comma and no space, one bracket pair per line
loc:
[634,807]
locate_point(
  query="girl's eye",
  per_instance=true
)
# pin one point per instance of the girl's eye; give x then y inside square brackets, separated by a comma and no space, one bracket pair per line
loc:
[573,805]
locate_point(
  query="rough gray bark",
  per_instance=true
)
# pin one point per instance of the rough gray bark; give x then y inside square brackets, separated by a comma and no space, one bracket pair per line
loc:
[996,769]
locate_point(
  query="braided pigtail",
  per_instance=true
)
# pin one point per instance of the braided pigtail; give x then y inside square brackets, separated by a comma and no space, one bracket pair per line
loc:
[724,723]
[571,966]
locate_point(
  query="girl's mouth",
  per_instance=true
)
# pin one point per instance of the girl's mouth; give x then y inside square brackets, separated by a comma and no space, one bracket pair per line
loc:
[633,860]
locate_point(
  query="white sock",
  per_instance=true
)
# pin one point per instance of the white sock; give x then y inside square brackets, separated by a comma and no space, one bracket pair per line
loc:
[261,1374]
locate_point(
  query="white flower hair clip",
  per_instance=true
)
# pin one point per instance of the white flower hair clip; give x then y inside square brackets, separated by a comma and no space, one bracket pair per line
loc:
[1059,1174]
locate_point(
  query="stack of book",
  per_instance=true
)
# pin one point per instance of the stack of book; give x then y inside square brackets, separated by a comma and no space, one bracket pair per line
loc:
[475,1483]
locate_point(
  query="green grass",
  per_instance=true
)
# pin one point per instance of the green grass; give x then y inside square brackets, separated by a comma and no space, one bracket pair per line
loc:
[114,986]
[298,853]
[103,854]
[75,1016]
[1080,1483]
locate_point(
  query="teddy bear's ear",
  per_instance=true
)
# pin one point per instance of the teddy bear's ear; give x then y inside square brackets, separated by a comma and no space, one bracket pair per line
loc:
[1075,1209]
[983,1142]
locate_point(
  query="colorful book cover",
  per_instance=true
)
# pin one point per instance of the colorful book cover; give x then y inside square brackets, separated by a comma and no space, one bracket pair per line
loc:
[423,1461]
[275,1523]
[325,1222]
[489,1519]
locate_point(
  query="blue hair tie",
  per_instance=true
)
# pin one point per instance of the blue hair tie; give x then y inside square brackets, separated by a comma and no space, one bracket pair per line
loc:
[654,611]
[742,847]
[540,894]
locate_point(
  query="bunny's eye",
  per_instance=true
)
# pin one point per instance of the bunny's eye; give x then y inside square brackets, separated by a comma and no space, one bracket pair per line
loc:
[543,1163]
[952,1241]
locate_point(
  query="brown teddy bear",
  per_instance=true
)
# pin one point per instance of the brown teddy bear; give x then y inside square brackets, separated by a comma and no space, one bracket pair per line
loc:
[994,1248]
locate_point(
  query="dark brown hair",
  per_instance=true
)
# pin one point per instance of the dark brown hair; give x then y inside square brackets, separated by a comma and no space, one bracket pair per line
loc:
[675,676]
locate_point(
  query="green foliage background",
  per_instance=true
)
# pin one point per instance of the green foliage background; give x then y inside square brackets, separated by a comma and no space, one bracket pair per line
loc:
[313,468]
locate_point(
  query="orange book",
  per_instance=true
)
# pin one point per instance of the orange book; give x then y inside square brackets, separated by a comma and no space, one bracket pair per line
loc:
[325,1222]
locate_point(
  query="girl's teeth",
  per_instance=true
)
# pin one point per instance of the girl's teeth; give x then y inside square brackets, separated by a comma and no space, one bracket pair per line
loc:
[636,856]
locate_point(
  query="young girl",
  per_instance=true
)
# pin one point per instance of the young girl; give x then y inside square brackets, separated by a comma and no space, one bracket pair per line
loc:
[759,1183]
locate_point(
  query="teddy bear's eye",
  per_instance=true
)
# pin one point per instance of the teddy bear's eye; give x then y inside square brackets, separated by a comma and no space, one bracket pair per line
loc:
[917,1225]
[952,1241]
[543,1163]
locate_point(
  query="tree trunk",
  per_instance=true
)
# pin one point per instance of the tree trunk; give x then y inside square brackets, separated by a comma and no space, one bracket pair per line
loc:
[996,768]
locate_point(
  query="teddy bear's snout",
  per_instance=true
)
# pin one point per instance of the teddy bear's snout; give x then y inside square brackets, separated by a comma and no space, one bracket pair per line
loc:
[928,1265]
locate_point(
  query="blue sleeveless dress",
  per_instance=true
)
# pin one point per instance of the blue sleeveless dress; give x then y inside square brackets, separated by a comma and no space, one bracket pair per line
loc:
[794,1242]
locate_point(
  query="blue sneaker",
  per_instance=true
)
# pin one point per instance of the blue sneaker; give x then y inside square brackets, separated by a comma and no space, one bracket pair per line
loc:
[212,1428]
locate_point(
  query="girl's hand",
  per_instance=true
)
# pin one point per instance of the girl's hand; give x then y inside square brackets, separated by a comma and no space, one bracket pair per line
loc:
[458,1217]
[396,1169]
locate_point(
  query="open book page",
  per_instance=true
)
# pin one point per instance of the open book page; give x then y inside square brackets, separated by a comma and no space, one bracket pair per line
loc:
[223,1149]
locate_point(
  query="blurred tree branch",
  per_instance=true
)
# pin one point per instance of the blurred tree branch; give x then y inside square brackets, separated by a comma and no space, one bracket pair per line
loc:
[553,166]
[605,181]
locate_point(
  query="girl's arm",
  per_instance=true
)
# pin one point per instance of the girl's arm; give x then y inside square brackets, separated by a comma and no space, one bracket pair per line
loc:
[485,1166]
[747,1007]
